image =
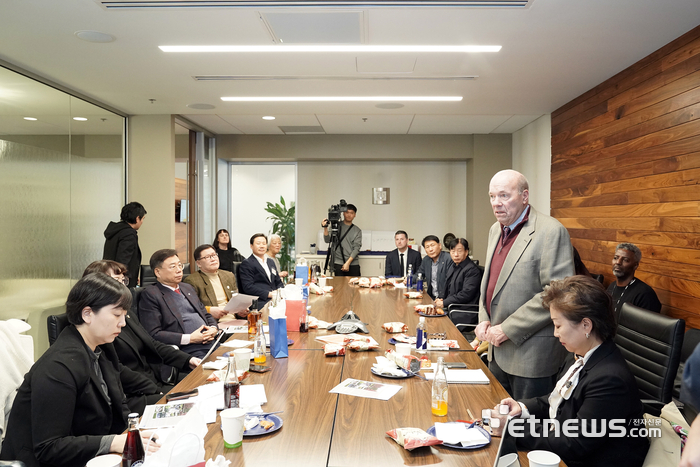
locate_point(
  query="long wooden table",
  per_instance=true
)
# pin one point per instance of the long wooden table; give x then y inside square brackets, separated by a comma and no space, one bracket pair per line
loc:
[323,429]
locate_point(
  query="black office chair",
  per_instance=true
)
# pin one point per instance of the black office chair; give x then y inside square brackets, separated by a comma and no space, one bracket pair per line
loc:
[598,277]
[55,325]
[651,343]
[147,275]
[236,265]
[465,318]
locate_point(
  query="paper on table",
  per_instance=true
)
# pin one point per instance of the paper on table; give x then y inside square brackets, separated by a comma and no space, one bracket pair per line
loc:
[463,376]
[215,365]
[237,343]
[340,338]
[239,302]
[451,433]
[356,387]
[164,415]
[474,438]
[253,394]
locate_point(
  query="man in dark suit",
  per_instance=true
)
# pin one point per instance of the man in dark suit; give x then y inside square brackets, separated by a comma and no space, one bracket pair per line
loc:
[171,311]
[259,275]
[434,267]
[397,261]
[214,286]
[122,240]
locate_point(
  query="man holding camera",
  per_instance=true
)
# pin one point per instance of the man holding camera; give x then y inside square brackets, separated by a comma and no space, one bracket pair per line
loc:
[348,245]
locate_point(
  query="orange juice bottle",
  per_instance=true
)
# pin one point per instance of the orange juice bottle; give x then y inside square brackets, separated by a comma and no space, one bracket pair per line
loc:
[439,392]
[259,347]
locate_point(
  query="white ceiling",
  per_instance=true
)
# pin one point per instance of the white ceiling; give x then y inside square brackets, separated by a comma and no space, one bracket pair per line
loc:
[553,51]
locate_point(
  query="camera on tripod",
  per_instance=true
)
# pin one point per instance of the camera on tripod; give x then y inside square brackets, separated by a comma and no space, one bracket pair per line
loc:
[334,214]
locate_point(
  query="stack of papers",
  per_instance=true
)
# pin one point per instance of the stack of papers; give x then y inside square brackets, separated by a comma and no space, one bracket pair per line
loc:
[463,376]
[458,433]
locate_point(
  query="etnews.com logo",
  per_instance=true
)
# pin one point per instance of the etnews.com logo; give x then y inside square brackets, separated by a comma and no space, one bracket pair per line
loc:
[573,428]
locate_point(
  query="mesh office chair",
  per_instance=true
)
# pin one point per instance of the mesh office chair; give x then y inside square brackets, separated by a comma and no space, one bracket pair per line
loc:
[651,343]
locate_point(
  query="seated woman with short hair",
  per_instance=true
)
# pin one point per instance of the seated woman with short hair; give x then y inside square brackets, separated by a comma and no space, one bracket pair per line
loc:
[71,406]
[595,384]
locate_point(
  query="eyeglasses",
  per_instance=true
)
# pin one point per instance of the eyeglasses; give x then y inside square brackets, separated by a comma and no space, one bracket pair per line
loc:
[124,280]
[174,267]
[210,257]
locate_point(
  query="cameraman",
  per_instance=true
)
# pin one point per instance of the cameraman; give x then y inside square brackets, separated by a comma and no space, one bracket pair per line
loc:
[348,245]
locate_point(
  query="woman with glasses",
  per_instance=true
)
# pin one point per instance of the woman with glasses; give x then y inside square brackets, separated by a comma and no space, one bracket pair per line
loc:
[71,405]
[227,253]
[595,387]
[214,286]
[273,250]
[142,354]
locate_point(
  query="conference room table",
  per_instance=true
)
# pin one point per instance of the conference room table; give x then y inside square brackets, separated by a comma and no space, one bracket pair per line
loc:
[332,430]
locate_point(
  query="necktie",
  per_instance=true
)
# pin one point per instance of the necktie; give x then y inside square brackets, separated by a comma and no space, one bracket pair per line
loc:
[403,268]
[506,232]
[178,291]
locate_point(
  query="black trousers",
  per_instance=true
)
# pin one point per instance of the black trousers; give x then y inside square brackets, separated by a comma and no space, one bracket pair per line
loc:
[353,271]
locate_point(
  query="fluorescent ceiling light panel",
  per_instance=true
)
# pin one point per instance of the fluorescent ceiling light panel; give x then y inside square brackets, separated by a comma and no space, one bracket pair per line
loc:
[268,117]
[80,119]
[31,119]
[343,99]
[331,48]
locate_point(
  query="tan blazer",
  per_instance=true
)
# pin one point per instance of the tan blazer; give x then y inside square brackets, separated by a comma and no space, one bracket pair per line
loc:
[205,291]
[542,252]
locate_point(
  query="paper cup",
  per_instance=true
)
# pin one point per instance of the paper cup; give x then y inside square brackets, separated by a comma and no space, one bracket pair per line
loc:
[232,426]
[108,460]
[322,282]
[242,357]
[403,349]
[543,459]
[509,460]
[299,282]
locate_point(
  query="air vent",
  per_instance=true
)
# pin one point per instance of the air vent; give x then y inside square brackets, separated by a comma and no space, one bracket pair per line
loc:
[331,78]
[302,130]
[160,4]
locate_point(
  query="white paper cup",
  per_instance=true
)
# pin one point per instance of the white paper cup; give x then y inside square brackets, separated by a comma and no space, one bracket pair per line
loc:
[322,282]
[299,282]
[543,459]
[509,460]
[242,357]
[107,460]
[232,426]
[403,349]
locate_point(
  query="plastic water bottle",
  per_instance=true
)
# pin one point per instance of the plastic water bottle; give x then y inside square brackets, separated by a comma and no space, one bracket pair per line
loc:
[421,336]
[409,277]
[419,282]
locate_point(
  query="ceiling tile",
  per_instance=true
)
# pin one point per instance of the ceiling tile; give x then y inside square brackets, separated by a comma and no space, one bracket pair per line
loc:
[456,124]
[375,124]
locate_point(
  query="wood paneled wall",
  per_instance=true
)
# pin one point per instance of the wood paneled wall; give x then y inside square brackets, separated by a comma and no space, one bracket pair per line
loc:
[626,167]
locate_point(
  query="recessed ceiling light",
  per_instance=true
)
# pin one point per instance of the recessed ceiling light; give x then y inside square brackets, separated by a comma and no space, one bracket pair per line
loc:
[80,119]
[389,105]
[331,48]
[268,117]
[201,106]
[31,119]
[95,36]
[343,99]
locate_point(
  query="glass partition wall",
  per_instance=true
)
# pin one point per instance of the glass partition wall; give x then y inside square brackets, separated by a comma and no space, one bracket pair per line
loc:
[61,182]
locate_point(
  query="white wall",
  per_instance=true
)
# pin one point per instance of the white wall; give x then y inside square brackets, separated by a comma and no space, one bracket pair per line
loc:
[252,185]
[532,156]
[426,197]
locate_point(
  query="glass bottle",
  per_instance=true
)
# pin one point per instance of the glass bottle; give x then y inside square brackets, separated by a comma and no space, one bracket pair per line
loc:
[253,316]
[133,454]
[259,347]
[232,387]
[439,393]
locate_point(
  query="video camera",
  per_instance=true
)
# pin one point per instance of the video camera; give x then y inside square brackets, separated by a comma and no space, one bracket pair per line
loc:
[334,214]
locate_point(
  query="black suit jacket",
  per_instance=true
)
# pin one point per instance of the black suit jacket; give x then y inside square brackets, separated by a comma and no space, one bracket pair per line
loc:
[254,280]
[392,265]
[606,390]
[425,268]
[159,313]
[463,284]
[60,413]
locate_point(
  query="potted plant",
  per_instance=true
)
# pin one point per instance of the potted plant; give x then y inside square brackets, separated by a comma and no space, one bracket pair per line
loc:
[283,224]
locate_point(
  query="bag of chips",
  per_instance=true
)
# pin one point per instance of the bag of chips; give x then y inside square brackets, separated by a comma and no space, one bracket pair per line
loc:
[412,438]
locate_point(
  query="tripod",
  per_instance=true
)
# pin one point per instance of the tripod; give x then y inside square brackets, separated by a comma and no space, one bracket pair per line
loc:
[332,245]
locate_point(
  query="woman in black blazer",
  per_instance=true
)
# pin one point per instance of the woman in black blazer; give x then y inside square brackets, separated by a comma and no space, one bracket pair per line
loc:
[595,383]
[71,406]
[463,277]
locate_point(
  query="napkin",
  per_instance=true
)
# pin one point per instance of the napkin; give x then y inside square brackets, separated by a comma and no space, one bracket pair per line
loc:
[386,366]
[458,433]
[237,343]
[215,365]
[220,461]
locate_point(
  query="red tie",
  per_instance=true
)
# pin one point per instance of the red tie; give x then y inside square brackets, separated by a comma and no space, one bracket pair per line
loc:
[178,291]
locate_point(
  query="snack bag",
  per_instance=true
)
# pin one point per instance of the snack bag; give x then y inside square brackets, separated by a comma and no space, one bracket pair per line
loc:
[332,350]
[394,327]
[412,438]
